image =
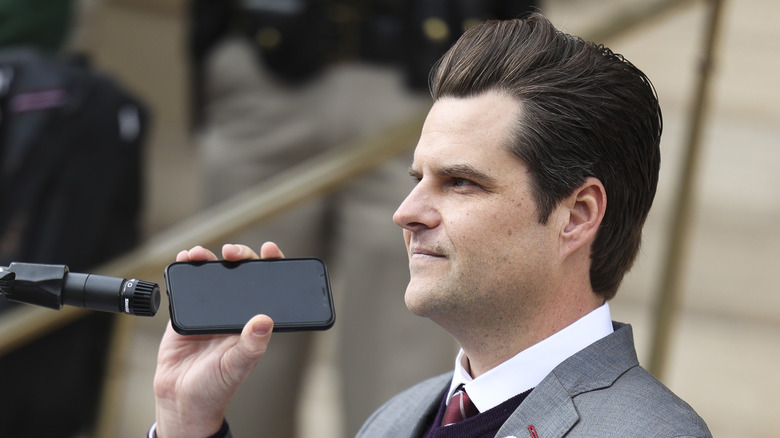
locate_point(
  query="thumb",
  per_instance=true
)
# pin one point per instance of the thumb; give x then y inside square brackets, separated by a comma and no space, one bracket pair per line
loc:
[251,346]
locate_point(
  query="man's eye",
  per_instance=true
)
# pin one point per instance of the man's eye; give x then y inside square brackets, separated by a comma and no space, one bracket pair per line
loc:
[462,182]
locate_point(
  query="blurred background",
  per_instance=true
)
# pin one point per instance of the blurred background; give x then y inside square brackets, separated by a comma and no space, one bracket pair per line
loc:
[206,94]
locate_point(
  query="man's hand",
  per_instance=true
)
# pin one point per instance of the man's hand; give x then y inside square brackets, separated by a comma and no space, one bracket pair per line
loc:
[197,376]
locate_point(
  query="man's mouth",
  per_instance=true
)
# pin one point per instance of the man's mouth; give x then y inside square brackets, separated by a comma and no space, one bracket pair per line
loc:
[418,251]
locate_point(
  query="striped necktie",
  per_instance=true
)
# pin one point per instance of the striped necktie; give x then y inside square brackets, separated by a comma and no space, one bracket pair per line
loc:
[459,408]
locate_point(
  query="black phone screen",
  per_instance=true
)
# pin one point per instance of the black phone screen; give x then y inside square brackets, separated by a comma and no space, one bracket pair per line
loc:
[220,296]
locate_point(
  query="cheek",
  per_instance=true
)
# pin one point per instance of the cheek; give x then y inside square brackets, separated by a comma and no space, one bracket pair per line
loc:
[507,237]
[483,235]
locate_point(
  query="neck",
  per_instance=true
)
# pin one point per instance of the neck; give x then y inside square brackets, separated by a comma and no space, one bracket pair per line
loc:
[488,345]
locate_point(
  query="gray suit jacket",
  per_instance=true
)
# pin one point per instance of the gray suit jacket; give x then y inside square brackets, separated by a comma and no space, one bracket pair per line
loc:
[599,392]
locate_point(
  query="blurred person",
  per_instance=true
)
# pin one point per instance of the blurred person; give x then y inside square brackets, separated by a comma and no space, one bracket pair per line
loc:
[277,83]
[71,139]
[535,171]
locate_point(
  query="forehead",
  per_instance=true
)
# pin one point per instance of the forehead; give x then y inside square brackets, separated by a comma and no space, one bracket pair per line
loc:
[473,128]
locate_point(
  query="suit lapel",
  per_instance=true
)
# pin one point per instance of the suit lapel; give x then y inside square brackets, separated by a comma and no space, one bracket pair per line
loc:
[549,411]
[549,408]
[429,407]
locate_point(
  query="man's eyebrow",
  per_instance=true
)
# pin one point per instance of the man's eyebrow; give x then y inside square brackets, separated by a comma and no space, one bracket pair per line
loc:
[459,171]
[466,171]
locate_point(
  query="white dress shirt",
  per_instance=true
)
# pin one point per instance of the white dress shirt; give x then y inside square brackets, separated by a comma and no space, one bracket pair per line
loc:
[529,367]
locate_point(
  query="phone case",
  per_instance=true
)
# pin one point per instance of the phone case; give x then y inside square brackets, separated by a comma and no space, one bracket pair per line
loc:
[218,297]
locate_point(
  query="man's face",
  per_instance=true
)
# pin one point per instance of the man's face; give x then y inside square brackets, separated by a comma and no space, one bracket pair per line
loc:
[476,249]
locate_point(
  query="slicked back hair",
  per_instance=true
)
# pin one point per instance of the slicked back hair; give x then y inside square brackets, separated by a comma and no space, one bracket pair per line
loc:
[585,112]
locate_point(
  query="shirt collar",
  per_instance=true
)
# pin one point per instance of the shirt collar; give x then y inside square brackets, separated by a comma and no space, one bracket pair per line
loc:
[529,367]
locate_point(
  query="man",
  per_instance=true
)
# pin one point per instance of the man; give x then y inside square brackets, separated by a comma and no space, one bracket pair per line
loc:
[535,171]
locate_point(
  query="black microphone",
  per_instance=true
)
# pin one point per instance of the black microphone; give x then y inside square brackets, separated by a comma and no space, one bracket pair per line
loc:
[54,286]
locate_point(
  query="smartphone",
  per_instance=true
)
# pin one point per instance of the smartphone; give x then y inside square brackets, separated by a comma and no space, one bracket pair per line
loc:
[221,297]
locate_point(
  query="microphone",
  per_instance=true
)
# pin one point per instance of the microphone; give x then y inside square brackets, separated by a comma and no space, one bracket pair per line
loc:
[53,286]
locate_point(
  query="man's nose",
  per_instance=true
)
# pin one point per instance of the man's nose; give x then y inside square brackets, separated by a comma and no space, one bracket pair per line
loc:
[417,210]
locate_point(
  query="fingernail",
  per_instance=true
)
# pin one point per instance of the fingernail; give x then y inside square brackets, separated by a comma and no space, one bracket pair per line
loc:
[260,329]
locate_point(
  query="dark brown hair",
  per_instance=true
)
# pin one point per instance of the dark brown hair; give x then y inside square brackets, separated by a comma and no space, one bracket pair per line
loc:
[586,112]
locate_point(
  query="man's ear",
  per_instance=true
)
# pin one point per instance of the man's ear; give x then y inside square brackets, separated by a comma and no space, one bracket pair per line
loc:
[582,214]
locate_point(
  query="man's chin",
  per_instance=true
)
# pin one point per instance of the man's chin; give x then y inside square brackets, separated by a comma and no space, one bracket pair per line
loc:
[422,301]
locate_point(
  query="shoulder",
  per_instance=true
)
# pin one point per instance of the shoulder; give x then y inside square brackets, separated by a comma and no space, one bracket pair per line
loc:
[403,413]
[638,403]
[617,393]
